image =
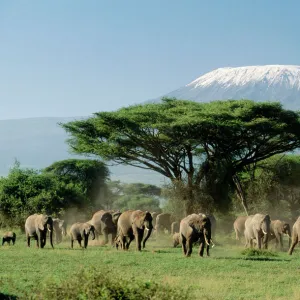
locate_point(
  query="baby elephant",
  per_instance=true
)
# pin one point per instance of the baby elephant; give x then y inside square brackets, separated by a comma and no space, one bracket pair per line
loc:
[8,237]
[118,242]
[81,231]
[176,239]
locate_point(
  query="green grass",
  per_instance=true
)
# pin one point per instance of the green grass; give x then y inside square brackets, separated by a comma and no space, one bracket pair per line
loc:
[230,272]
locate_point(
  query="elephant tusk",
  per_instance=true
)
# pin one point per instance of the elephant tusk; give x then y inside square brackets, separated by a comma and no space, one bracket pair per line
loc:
[211,241]
[264,232]
[206,240]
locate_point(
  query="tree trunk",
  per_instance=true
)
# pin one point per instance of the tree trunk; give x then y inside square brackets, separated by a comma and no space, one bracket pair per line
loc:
[240,193]
[189,201]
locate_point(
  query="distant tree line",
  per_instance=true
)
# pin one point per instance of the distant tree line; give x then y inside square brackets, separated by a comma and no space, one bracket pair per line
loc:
[221,156]
[72,186]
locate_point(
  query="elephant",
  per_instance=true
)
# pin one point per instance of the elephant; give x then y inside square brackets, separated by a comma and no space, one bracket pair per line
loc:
[295,236]
[105,222]
[132,224]
[174,227]
[36,226]
[60,229]
[257,227]
[163,221]
[194,228]
[176,239]
[239,226]
[81,231]
[9,237]
[278,228]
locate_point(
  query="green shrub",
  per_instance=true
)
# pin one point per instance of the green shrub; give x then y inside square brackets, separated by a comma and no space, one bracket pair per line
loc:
[95,284]
[258,252]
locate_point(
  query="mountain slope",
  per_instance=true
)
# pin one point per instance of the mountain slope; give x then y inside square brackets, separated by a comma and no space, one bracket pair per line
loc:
[259,83]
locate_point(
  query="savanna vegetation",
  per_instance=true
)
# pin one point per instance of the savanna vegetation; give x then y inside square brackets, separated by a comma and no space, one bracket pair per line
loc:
[225,157]
[158,272]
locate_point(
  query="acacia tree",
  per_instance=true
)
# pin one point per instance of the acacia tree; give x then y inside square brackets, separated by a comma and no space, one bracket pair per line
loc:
[90,174]
[199,145]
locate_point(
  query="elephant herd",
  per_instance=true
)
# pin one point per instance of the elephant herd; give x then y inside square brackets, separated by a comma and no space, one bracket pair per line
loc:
[124,227]
[259,229]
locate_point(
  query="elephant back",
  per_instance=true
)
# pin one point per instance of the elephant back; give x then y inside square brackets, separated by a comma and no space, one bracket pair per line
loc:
[239,223]
[9,234]
[96,220]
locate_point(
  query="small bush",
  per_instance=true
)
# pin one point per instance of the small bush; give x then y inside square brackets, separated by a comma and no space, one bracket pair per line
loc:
[258,252]
[94,284]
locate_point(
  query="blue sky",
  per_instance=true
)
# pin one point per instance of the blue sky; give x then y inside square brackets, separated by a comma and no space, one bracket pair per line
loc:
[73,58]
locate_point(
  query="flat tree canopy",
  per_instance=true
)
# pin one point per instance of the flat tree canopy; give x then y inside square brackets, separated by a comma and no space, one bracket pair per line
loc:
[198,144]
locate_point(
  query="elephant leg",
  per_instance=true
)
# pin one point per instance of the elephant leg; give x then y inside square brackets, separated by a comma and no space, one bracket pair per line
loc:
[86,239]
[105,234]
[113,237]
[43,239]
[251,243]
[131,238]
[123,242]
[207,250]
[72,243]
[281,242]
[294,243]
[258,239]
[28,239]
[43,242]
[79,242]
[189,247]
[237,237]
[3,241]
[201,248]
[183,243]
[139,237]
[37,238]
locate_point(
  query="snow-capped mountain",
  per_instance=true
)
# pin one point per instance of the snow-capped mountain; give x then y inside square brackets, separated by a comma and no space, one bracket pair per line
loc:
[259,83]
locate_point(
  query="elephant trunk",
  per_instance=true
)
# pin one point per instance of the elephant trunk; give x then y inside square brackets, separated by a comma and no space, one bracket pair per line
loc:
[51,237]
[93,234]
[147,236]
[207,237]
[266,231]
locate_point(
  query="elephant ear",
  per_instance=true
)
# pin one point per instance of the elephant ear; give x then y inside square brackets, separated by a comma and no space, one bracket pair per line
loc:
[40,222]
[139,219]
[148,216]
[106,218]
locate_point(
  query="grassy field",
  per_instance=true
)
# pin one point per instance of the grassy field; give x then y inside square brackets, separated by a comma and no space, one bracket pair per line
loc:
[227,274]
